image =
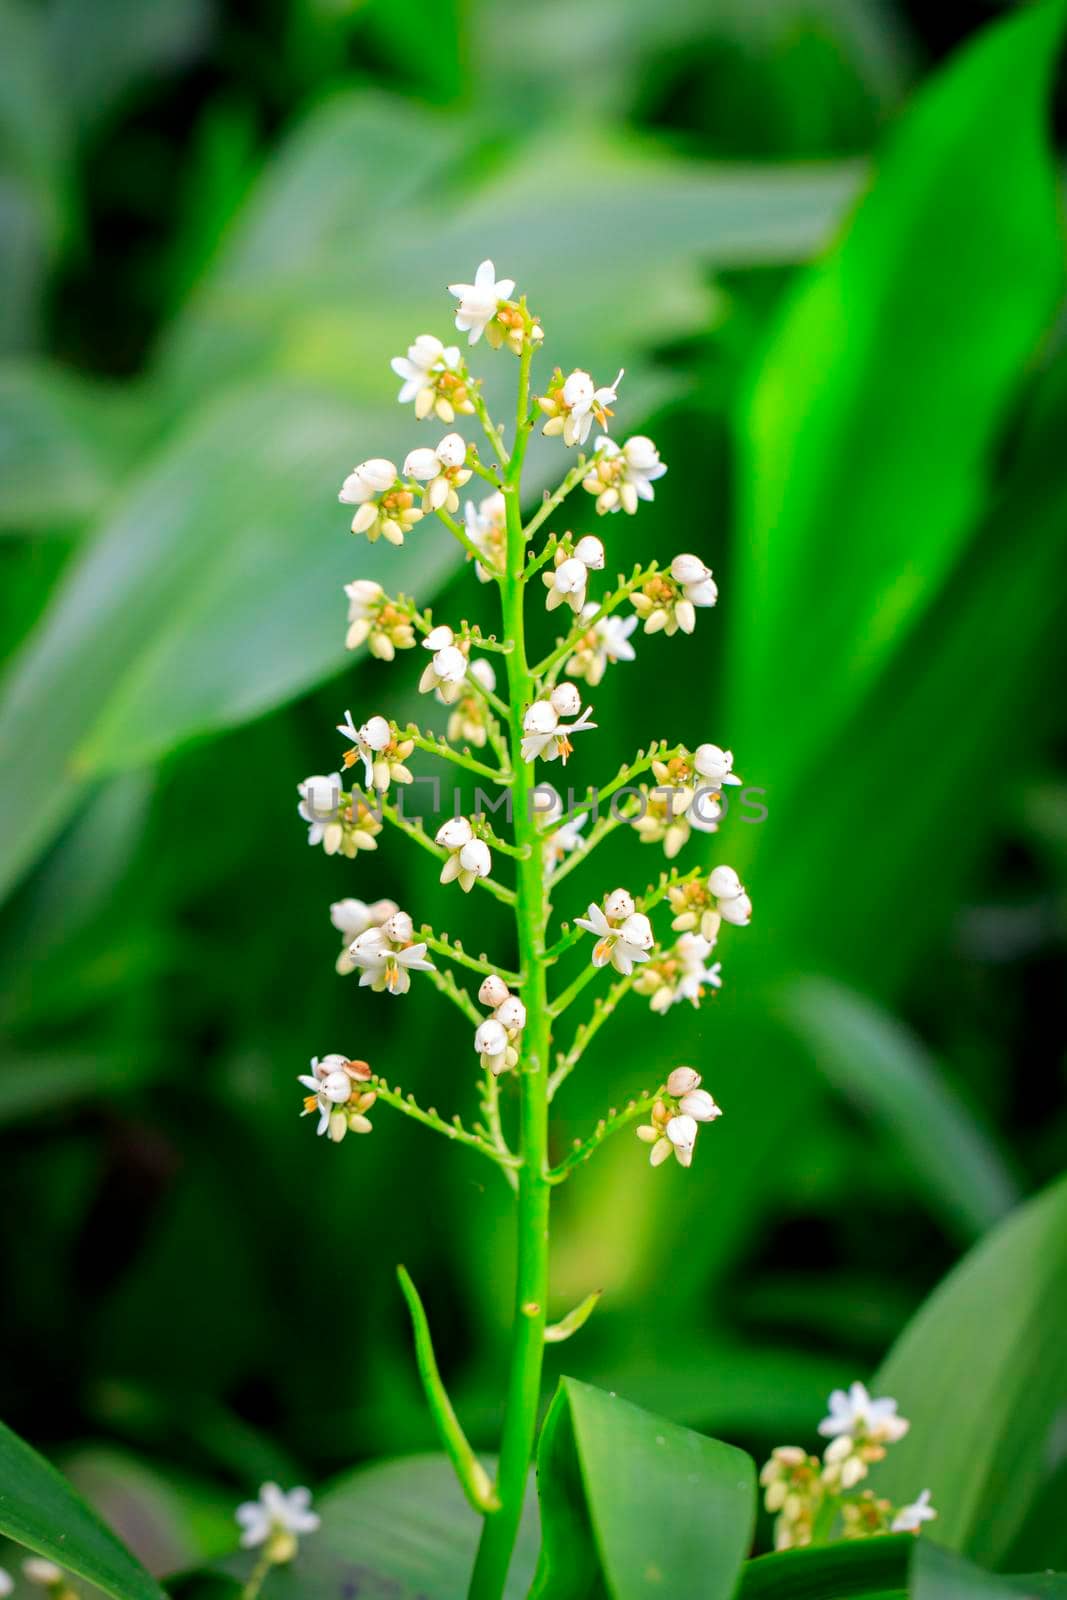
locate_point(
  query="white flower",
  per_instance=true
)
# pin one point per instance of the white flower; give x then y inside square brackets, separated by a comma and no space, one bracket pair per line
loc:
[909,1519]
[619,905]
[715,765]
[276,1511]
[491,1039]
[572,403]
[382,754]
[565,700]
[563,835]
[330,1084]
[624,945]
[607,642]
[512,1013]
[859,1417]
[546,736]
[469,858]
[431,379]
[734,904]
[494,991]
[621,477]
[698,589]
[388,956]
[680,975]
[353,917]
[566,583]
[673,1129]
[42,1574]
[369,479]
[320,803]
[487,531]
[442,470]
[478,301]
[444,675]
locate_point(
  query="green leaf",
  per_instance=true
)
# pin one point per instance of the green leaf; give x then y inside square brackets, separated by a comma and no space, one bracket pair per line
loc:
[39,1509]
[937,1574]
[981,1372]
[844,1571]
[400,1530]
[873,1061]
[850,467]
[64,445]
[637,1504]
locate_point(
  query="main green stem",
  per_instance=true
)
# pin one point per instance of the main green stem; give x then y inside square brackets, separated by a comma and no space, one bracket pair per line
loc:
[532,1219]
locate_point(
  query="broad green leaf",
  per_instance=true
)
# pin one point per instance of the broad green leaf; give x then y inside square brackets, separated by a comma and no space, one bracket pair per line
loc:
[39,1509]
[400,1530]
[637,1504]
[937,1574]
[64,445]
[868,436]
[843,1571]
[201,603]
[981,1372]
[874,1062]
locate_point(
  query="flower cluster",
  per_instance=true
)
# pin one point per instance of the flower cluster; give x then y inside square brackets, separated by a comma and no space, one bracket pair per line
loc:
[336,1096]
[573,404]
[623,934]
[606,641]
[566,583]
[353,917]
[434,377]
[388,954]
[342,823]
[384,625]
[668,601]
[386,509]
[812,1499]
[443,470]
[497,1038]
[380,748]
[546,736]
[676,1118]
[680,973]
[620,476]
[469,858]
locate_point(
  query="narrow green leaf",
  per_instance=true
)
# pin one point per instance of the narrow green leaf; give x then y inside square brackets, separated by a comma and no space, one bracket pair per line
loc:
[556,1332]
[848,467]
[937,1574]
[981,1372]
[39,1509]
[473,1478]
[637,1504]
[845,1571]
[874,1062]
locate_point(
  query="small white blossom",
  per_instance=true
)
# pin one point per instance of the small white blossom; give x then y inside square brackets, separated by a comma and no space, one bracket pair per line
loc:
[855,1414]
[734,904]
[607,642]
[491,1043]
[389,955]
[478,301]
[909,1519]
[432,379]
[715,765]
[623,943]
[353,917]
[512,1013]
[469,858]
[487,531]
[442,470]
[385,508]
[494,991]
[381,751]
[675,1121]
[546,737]
[563,835]
[444,675]
[679,974]
[567,582]
[621,477]
[320,802]
[572,405]
[276,1511]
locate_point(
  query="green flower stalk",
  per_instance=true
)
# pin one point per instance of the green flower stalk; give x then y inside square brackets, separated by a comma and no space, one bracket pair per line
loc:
[511,715]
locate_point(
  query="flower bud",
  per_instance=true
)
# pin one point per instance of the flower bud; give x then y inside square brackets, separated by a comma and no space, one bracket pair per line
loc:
[618,904]
[641,453]
[482,672]
[494,991]
[725,884]
[452,451]
[682,1132]
[422,463]
[337,1086]
[566,699]
[689,569]
[455,833]
[375,733]
[637,930]
[512,1013]
[491,1038]
[698,1104]
[439,637]
[321,795]
[738,910]
[714,763]
[590,552]
[450,664]
[475,857]
[682,1080]
[541,718]
[399,928]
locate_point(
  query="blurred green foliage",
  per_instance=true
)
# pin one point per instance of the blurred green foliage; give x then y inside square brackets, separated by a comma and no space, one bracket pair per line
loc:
[217,223]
